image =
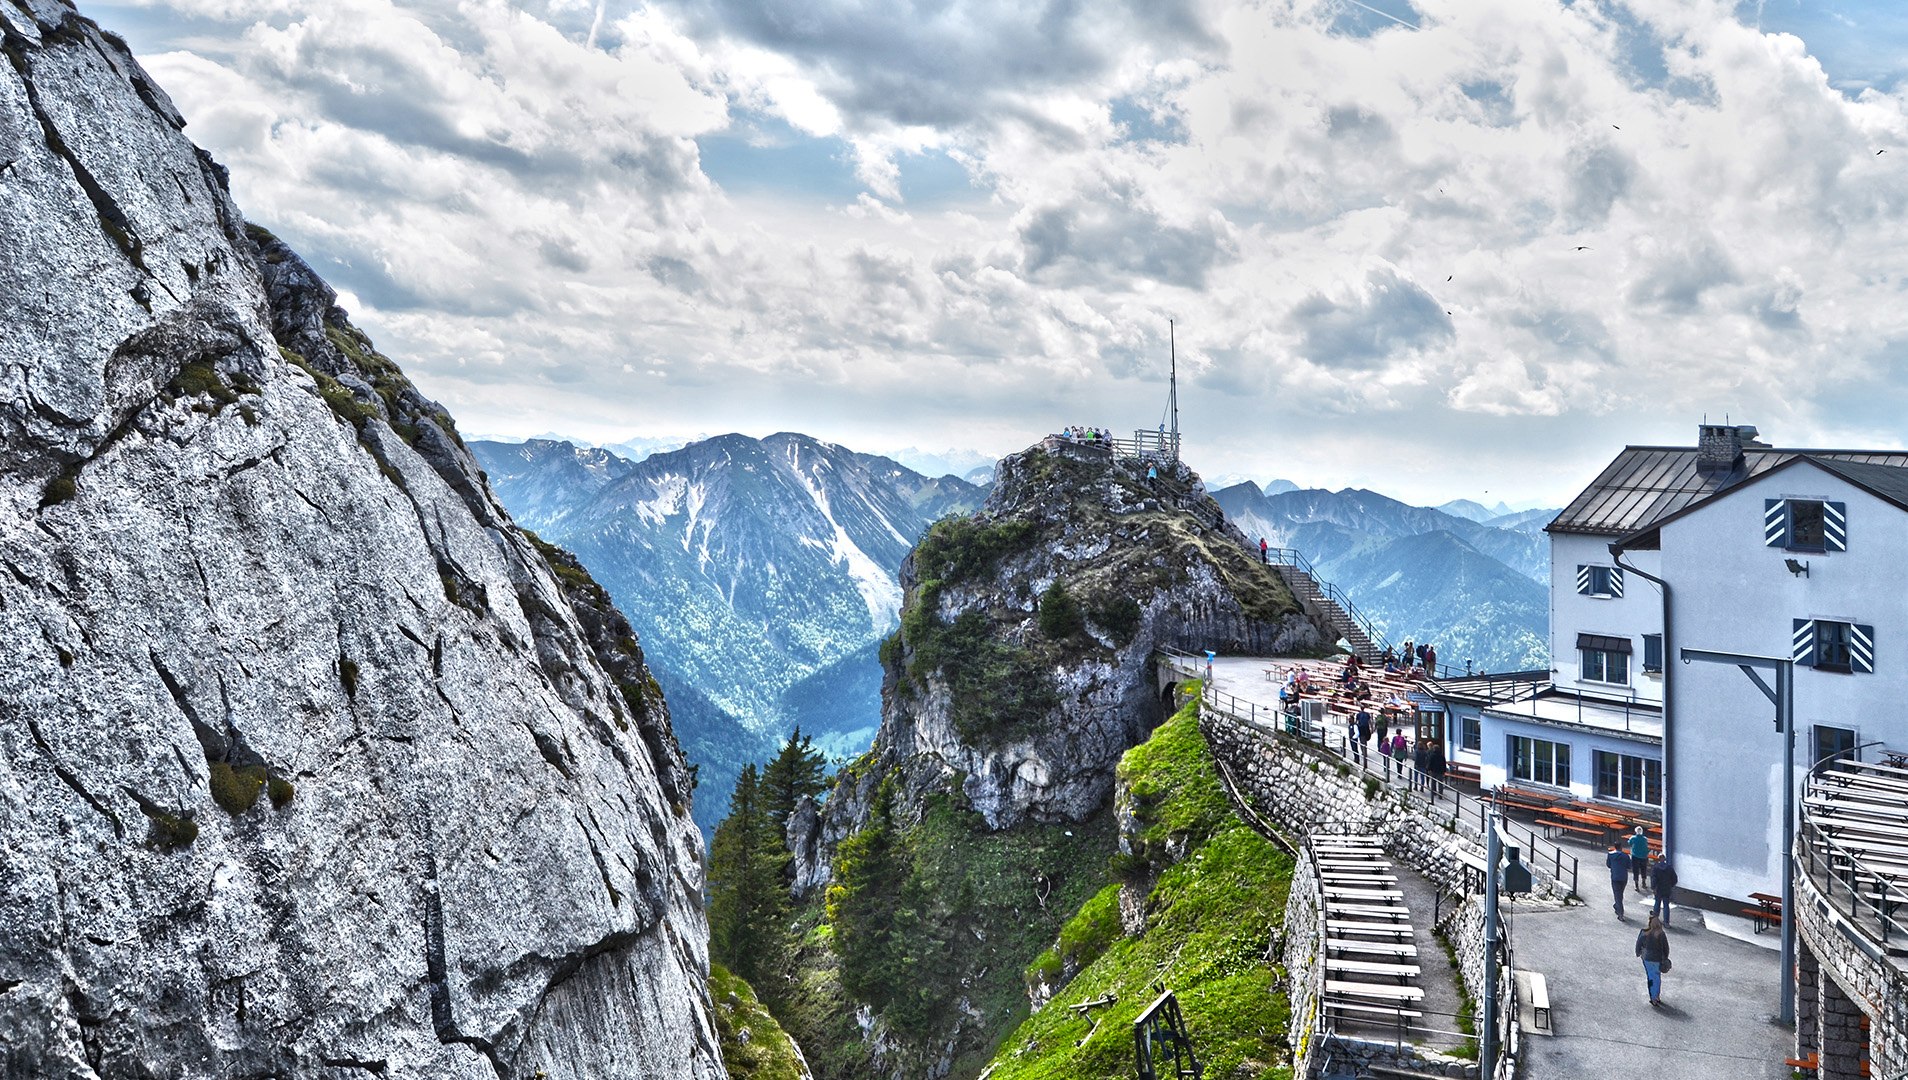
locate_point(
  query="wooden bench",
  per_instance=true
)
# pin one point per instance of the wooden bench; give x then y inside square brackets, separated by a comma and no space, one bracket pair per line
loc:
[1372,967]
[1371,948]
[1398,912]
[1380,991]
[1397,1011]
[1767,912]
[1358,880]
[1539,991]
[1370,929]
[1556,825]
[1362,894]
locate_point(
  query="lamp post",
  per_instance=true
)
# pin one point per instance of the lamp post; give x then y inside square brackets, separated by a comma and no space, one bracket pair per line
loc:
[1783,696]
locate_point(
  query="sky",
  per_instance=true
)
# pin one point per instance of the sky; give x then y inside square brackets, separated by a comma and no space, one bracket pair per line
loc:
[1439,249]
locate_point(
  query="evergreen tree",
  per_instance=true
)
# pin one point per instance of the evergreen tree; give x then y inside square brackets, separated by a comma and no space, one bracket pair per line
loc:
[797,771]
[748,902]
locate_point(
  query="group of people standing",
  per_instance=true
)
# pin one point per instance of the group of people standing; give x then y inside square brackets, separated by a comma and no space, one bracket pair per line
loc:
[1423,655]
[1086,434]
[1426,755]
[1629,861]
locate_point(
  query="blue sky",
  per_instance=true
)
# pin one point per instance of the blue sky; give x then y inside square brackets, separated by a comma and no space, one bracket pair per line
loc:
[1437,249]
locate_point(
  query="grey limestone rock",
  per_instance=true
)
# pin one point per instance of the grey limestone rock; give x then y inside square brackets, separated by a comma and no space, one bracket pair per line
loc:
[1113,537]
[311,762]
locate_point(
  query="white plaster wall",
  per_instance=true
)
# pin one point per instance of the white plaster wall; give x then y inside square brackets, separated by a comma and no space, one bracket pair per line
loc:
[1734,594]
[1639,611]
[1495,766]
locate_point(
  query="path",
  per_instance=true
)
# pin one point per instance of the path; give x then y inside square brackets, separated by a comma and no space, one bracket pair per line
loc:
[1717,1001]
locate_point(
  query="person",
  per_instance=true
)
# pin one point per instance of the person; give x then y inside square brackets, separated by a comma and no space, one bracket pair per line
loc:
[1652,944]
[1618,860]
[1662,884]
[1383,727]
[1420,763]
[1640,859]
[1264,551]
[1436,757]
[1398,749]
[1354,746]
[1362,722]
[1431,660]
[1152,472]
[1390,657]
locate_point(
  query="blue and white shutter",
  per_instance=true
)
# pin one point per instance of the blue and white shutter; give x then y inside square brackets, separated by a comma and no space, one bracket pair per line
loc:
[1775,522]
[1583,580]
[1802,643]
[1835,526]
[1861,649]
[1616,582]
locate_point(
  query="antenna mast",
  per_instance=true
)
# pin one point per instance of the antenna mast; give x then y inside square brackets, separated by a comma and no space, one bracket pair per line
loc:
[1172,393]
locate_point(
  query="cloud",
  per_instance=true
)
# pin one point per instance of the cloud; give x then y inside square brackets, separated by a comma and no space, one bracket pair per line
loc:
[543,208]
[1367,321]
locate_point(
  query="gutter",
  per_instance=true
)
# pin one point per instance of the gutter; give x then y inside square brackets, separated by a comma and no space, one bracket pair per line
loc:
[1669,769]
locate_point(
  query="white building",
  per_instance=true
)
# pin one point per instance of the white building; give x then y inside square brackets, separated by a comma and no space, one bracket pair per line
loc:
[1766,551]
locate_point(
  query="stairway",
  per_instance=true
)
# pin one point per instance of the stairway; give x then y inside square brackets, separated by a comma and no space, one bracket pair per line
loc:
[1339,622]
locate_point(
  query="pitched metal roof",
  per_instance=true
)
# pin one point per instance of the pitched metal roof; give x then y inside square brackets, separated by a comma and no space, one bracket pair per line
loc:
[1646,484]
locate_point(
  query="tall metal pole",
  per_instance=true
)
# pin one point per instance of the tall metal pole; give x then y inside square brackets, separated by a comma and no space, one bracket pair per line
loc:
[1487,1045]
[1785,718]
[1172,392]
[1782,695]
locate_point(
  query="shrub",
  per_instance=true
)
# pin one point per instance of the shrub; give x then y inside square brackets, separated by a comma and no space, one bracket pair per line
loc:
[1119,616]
[1371,787]
[281,792]
[1060,616]
[59,489]
[236,790]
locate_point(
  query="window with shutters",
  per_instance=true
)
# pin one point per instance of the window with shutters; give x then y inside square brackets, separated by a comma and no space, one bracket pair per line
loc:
[1829,645]
[1653,653]
[1600,581]
[1812,525]
[1632,779]
[1539,761]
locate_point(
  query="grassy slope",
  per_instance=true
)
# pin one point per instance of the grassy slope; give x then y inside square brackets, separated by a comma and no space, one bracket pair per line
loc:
[754,1046]
[1209,919]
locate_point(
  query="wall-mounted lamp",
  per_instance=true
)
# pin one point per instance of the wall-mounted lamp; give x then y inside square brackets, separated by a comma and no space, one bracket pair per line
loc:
[1799,569]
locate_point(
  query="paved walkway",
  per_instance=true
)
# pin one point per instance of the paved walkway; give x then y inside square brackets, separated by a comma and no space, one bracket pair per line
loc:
[1715,1022]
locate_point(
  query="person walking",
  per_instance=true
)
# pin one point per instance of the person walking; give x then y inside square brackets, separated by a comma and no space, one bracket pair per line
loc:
[1662,884]
[1398,749]
[1618,860]
[1435,756]
[1652,944]
[1420,764]
[1640,859]
[1362,723]
[1264,549]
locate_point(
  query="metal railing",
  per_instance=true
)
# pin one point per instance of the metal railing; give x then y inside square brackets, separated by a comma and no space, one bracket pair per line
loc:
[1420,787]
[1873,900]
[1283,556]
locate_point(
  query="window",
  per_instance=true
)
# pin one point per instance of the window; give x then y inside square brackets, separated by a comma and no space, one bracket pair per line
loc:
[1833,741]
[1540,762]
[1653,653]
[1828,645]
[1632,779]
[1470,732]
[1805,524]
[1604,581]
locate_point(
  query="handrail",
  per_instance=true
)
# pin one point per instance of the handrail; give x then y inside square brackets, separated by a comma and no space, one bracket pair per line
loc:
[1295,558]
[1871,900]
[1436,790]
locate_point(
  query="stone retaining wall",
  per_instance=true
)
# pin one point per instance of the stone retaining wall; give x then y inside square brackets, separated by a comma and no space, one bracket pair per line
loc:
[1841,977]
[1306,789]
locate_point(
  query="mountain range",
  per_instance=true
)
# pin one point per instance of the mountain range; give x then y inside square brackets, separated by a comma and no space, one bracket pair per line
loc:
[1476,588]
[761,575]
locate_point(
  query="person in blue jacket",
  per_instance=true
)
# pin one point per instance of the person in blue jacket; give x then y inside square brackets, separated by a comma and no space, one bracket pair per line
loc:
[1618,861]
[1662,883]
[1640,859]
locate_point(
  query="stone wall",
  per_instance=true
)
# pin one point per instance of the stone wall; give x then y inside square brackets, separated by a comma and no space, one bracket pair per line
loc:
[1305,789]
[1304,909]
[1842,977]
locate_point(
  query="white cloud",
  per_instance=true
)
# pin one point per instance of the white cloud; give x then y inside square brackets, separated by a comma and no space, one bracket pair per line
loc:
[1383,229]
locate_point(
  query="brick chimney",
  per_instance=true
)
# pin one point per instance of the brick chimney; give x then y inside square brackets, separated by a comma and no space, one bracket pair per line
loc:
[1719,446]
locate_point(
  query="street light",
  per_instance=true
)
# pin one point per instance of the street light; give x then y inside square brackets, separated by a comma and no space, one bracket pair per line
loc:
[1783,696]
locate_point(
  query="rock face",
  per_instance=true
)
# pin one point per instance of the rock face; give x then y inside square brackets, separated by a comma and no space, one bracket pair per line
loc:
[1149,562]
[311,763]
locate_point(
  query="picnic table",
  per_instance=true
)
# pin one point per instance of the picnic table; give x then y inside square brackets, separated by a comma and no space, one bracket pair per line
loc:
[1767,912]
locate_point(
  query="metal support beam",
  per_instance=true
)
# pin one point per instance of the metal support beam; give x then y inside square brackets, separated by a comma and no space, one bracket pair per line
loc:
[1493,853]
[1782,695]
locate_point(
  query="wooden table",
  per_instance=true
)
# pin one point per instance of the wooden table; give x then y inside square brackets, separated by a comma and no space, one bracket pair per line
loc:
[1767,912]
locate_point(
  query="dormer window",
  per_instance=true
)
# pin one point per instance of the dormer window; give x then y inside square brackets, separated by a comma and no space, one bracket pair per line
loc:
[1813,525]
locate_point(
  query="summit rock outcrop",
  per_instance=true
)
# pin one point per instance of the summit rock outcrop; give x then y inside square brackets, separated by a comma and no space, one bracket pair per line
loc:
[311,762]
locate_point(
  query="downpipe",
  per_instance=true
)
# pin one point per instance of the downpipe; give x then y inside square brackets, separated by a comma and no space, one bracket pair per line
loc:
[1669,766]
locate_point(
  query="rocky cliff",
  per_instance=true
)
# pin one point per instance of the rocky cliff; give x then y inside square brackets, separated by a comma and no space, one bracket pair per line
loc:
[311,763]
[1021,674]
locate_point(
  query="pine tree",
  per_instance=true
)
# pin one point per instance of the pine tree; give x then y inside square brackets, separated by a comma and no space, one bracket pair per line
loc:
[748,903]
[797,771]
